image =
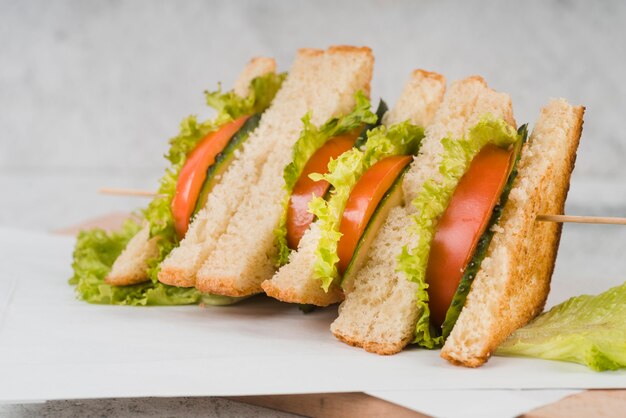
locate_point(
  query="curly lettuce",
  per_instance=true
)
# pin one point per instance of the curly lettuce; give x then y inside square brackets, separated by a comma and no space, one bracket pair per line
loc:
[230,106]
[96,250]
[344,172]
[430,204]
[310,140]
[589,330]
[94,254]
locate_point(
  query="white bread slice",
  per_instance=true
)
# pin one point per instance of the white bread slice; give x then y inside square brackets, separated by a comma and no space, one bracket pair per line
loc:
[514,280]
[380,313]
[324,82]
[130,267]
[182,264]
[419,100]
[295,282]
[257,67]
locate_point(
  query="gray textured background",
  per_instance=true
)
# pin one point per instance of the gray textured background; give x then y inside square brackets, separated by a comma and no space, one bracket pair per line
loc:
[90,91]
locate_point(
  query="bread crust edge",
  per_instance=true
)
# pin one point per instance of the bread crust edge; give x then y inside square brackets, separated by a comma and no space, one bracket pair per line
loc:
[178,277]
[290,295]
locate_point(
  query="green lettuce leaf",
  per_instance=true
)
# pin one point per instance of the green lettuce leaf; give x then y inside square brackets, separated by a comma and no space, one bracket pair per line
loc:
[230,106]
[310,140]
[94,254]
[430,204]
[589,330]
[344,172]
[96,250]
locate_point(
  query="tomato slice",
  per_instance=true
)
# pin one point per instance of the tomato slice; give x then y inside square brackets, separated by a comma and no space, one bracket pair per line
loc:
[298,217]
[193,173]
[462,224]
[363,201]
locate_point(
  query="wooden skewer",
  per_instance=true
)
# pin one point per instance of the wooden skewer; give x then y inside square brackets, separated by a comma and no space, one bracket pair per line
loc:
[541,218]
[127,192]
[582,219]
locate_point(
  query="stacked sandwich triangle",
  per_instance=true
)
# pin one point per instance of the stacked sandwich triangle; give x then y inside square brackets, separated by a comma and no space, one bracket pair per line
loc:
[420,220]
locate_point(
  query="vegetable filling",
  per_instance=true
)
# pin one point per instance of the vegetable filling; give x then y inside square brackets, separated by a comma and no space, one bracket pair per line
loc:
[431,203]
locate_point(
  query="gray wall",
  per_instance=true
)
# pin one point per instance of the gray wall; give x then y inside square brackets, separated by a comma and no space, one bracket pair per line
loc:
[90,91]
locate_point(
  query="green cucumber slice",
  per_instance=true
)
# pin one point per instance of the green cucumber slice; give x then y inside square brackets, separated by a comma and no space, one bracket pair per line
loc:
[458,301]
[223,160]
[209,299]
[392,198]
[380,112]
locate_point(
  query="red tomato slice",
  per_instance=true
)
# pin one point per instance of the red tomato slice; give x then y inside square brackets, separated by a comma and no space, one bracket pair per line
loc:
[193,173]
[363,201]
[298,217]
[462,224]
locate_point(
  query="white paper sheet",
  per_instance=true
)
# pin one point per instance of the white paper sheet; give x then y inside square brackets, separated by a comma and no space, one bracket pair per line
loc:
[55,347]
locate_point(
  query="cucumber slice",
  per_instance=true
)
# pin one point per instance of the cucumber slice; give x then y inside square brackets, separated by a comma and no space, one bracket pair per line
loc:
[209,299]
[392,198]
[223,160]
[380,112]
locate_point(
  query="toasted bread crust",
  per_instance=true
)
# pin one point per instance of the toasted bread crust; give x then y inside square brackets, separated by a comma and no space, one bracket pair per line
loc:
[574,140]
[292,295]
[311,52]
[475,78]
[177,277]
[341,49]
[428,74]
[375,347]
[526,249]
[335,49]
[126,280]
[226,286]
[472,363]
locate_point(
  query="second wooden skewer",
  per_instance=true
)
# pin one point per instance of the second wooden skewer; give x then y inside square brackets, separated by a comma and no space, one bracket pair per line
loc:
[127,192]
[582,219]
[540,218]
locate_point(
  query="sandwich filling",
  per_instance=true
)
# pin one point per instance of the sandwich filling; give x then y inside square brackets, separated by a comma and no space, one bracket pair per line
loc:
[343,175]
[230,108]
[299,219]
[482,239]
[312,153]
[363,201]
[193,174]
[222,160]
[466,221]
[197,156]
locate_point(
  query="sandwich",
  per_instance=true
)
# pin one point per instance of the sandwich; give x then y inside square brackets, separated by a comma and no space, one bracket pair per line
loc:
[421,221]
[230,247]
[461,262]
[363,181]
[122,267]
